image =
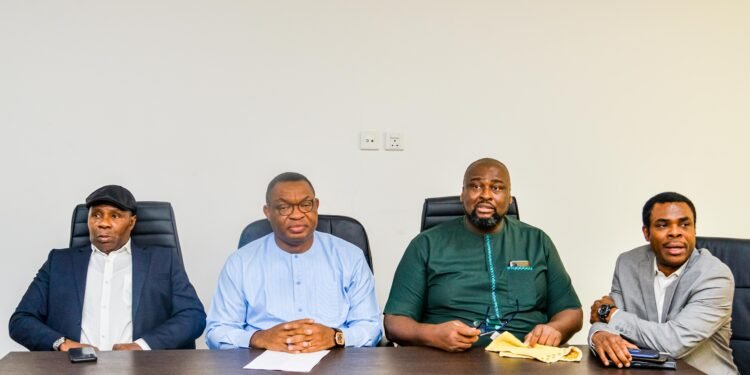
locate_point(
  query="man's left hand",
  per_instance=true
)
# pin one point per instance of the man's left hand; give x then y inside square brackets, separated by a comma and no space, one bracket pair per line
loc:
[605,300]
[127,346]
[543,334]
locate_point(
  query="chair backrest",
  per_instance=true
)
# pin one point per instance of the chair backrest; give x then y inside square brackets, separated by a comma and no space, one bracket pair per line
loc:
[343,227]
[155,226]
[442,209]
[735,253]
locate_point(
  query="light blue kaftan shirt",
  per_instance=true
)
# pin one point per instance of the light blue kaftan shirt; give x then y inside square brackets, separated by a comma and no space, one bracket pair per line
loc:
[262,285]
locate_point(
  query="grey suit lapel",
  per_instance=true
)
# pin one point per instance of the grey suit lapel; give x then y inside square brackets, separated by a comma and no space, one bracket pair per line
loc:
[672,290]
[668,296]
[80,271]
[646,283]
[141,261]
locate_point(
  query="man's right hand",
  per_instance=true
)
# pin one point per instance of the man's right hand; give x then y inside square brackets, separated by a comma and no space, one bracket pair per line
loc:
[70,344]
[285,337]
[610,346]
[453,336]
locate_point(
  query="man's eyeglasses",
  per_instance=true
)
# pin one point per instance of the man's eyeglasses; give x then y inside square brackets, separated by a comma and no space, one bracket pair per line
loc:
[286,209]
[487,327]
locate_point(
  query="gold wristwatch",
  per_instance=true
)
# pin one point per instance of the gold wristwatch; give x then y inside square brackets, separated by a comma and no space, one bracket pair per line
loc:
[338,337]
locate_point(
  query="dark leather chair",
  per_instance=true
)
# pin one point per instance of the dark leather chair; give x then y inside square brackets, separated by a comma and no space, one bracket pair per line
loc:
[155,226]
[735,253]
[442,209]
[343,227]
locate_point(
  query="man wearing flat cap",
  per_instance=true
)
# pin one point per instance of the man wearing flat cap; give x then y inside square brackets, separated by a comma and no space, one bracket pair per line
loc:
[113,294]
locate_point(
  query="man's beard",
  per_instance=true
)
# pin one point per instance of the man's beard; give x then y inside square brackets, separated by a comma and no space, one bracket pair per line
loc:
[484,224]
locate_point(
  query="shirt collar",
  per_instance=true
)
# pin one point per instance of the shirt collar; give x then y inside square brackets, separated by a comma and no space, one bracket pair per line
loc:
[124,249]
[676,273]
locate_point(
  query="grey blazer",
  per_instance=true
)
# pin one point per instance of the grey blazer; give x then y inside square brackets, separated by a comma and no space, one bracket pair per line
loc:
[697,311]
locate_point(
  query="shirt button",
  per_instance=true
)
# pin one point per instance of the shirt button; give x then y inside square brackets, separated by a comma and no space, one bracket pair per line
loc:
[299,310]
[296,256]
[298,283]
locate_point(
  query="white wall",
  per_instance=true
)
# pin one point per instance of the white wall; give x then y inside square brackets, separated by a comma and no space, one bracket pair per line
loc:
[595,106]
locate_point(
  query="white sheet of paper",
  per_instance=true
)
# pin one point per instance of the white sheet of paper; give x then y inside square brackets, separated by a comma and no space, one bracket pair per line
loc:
[271,360]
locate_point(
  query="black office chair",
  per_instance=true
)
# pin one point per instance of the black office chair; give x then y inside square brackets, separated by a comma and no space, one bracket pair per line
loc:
[155,226]
[735,253]
[343,227]
[442,209]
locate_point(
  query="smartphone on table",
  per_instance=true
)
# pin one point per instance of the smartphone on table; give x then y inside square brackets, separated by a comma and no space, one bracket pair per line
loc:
[85,354]
[643,353]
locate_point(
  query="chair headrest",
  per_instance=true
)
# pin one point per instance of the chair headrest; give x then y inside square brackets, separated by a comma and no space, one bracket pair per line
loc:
[441,209]
[155,226]
[344,227]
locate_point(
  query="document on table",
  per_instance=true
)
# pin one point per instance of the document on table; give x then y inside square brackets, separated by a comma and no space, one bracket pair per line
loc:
[271,360]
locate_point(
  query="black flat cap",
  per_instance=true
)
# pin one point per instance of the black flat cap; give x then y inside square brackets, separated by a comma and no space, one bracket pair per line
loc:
[114,195]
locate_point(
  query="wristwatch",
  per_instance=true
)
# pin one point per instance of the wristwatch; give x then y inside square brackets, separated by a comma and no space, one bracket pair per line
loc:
[604,311]
[338,337]
[56,345]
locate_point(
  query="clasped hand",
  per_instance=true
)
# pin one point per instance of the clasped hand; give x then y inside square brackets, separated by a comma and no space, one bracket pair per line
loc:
[298,336]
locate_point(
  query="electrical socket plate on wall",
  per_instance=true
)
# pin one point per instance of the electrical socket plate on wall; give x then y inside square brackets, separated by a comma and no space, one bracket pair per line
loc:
[394,141]
[369,140]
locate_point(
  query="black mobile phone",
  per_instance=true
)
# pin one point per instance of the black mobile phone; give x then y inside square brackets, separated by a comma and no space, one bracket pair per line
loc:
[666,365]
[660,359]
[643,353]
[85,354]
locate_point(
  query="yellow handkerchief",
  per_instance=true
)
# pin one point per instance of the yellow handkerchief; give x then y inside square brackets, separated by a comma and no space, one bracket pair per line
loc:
[507,345]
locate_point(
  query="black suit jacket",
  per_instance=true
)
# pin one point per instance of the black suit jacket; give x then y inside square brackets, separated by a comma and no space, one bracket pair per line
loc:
[166,310]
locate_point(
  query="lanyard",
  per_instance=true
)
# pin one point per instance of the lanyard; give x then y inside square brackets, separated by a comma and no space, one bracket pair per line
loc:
[488,249]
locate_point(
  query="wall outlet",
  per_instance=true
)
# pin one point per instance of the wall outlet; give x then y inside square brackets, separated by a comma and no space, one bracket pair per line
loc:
[369,140]
[394,141]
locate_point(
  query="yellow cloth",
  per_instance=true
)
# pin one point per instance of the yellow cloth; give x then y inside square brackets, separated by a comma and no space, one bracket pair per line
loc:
[508,345]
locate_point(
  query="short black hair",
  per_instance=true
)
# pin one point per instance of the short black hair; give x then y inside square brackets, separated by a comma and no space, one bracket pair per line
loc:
[665,197]
[286,177]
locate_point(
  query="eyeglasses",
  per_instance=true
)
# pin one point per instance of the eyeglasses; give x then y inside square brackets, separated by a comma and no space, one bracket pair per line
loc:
[286,209]
[486,327]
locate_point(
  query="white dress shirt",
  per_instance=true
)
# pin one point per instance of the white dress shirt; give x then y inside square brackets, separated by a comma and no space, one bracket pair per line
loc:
[662,282]
[107,306]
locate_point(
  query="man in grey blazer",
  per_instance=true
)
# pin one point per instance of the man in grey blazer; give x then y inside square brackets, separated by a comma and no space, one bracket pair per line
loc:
[667,295]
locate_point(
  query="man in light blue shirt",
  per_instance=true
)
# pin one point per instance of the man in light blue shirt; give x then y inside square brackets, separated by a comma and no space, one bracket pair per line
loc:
[295,290]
